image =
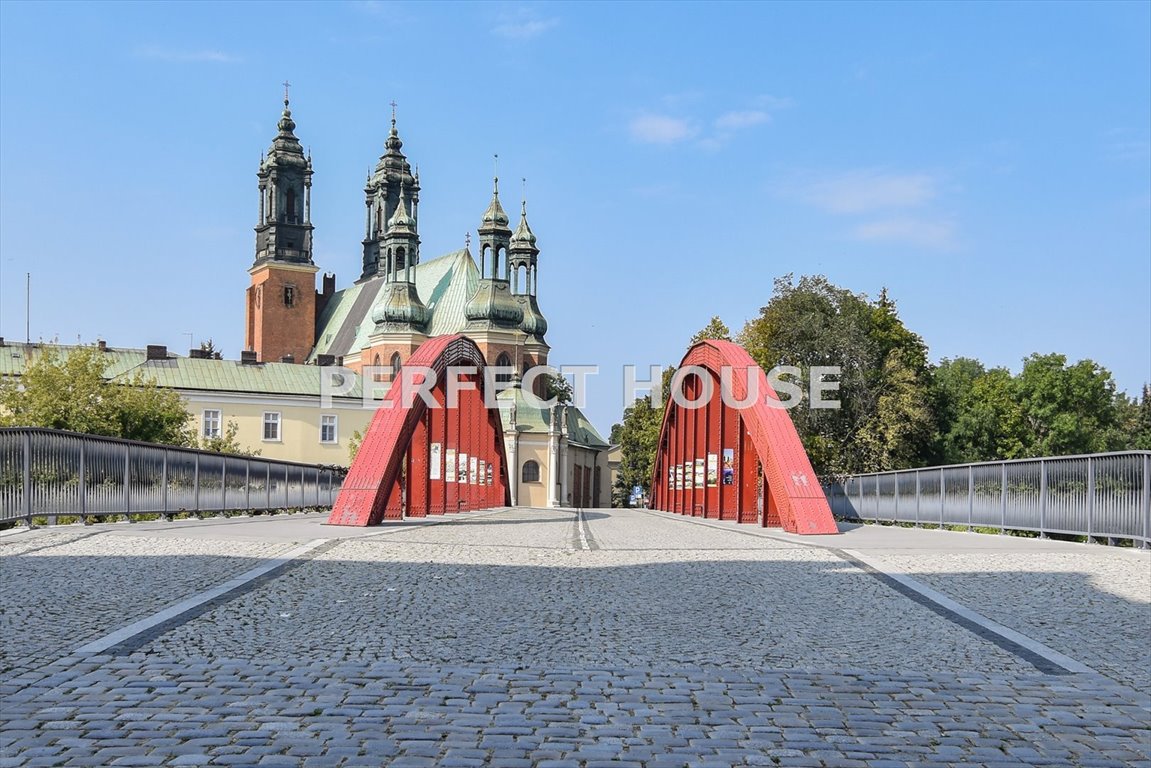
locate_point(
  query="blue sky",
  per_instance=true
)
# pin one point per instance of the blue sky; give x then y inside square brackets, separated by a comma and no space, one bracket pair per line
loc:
[990,164]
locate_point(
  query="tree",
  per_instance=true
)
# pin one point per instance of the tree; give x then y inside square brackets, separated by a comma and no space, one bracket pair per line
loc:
[1140,421]
[70,392]
[227,442]
[713,330]
[885,419]
[557,387]
[1066,409]
[638,436]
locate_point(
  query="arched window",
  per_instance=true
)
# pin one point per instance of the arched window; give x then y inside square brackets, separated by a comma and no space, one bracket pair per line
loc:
[376,366]
[531,472]
[400,264]
[503,361]
[395,365]
[291,205]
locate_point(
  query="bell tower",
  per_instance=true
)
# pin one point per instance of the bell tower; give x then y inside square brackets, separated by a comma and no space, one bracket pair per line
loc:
[281,306]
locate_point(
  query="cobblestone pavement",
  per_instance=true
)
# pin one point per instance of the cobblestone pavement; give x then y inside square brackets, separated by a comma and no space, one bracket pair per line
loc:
[512,639]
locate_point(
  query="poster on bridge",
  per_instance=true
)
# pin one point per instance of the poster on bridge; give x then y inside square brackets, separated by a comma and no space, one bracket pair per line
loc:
[462,473]
[699,473]
[679,477]
[434,459]
[712,470]
[688,476]
[491,475]
[450,465]
[474,478]
[728,466]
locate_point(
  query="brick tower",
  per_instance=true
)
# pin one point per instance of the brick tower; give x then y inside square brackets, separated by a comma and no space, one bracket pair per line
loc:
[281,306]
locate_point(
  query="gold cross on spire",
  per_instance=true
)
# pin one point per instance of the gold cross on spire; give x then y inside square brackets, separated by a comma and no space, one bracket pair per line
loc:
[286,85]
[393,103]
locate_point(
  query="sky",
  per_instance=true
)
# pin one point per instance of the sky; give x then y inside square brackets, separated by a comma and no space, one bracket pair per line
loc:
[988,163]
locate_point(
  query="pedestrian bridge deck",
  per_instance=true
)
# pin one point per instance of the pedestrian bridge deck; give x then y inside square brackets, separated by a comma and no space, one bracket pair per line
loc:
[518,637]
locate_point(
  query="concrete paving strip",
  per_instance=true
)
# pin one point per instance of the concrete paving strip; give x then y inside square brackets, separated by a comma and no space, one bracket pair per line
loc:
[174,614]
[1034,646]
[1045,658]
[102,644]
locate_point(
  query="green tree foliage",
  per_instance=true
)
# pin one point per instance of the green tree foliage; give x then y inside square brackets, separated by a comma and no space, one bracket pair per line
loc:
[558,387]
[885,419]
[70,392]
[1139,421]
[716,329]
[1066,409]
[227,442]
[638,435]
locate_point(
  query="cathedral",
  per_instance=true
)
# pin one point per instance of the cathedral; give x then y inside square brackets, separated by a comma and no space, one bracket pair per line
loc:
[401,300]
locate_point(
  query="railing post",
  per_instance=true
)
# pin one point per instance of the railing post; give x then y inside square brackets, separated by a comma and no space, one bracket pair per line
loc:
[1003,501]
[83,480]
[248,485]
[918,497]
[27,480]
[128,482]
[970,497]
[942,496]
[164,486]
[196,486]
[1042,499]
[1090,500]
[1146,502]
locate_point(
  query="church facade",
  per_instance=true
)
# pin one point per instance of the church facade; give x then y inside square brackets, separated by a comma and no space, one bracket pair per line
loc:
[400,300]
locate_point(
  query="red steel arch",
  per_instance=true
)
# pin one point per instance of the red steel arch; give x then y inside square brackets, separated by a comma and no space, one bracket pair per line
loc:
[735,463]
[402,467]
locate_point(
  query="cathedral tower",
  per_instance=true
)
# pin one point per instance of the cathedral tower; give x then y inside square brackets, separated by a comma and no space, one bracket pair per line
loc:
[281,306]
[391,180]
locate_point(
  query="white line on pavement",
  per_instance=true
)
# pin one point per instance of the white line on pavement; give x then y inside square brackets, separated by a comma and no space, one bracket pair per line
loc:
[102,644]
[143,625]
[1036,647]
[580,523]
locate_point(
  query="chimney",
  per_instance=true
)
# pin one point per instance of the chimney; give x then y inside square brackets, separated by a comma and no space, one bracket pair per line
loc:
[324,360]
[288,359]
[101,345]
[157,352]
[198,354]
[248,357]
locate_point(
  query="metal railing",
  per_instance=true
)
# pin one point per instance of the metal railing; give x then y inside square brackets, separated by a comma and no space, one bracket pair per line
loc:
[49,473]
[1101,496]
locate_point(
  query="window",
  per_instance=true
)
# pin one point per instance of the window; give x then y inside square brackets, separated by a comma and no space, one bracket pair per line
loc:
[289,296]
[211,424]
[272,425]
[531,472]
[328,429]
[396,365]
[503,362]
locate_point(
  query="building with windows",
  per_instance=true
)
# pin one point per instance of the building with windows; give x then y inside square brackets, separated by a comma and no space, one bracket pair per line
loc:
[400,300]
[296,334]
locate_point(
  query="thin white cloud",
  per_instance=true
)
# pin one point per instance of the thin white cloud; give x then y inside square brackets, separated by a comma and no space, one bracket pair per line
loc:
[921,232]
[160,53]
[660,129]
[866,190]
[523,24]
[734,121]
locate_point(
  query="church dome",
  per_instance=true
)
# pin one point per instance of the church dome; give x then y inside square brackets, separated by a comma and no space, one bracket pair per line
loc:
[523,236]
[534,323]
[493,302]
[401,305]
[495,217]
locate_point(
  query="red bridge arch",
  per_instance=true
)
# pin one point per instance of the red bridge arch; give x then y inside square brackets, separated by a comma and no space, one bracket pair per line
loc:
[402,467]
[734,463]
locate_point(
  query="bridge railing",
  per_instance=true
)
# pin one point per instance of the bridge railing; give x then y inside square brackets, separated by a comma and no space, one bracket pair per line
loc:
[50,473]
[1100,496]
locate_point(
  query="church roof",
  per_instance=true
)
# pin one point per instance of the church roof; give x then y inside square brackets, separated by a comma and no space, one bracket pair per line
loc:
[444,284]
[186,373]
[532,418]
